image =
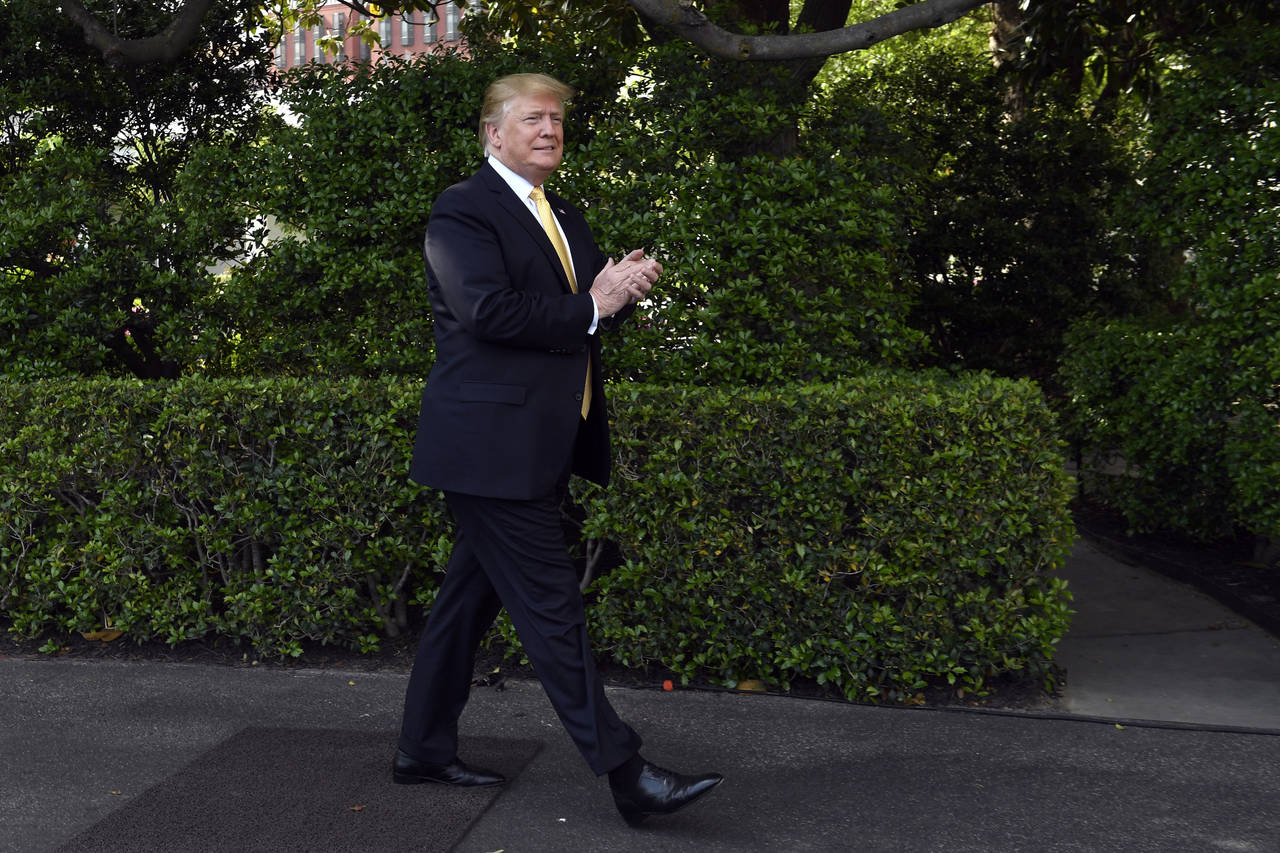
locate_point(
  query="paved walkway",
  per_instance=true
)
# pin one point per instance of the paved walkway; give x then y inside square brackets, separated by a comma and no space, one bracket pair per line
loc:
[83,739]
[1146,647]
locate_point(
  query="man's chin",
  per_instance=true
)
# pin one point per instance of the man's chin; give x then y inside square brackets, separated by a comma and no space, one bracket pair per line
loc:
[548,167]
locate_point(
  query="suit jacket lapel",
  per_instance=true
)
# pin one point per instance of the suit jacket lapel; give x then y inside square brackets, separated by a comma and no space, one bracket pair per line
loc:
[517,210]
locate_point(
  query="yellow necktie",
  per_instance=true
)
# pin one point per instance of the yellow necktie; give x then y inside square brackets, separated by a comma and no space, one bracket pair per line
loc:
[553,234]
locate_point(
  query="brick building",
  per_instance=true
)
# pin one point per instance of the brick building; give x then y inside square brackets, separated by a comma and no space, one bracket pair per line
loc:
[402,34]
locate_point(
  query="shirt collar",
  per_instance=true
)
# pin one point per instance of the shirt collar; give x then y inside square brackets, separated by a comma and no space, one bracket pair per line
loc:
[518,185]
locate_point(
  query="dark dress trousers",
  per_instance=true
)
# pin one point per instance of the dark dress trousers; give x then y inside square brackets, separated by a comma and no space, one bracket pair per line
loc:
[500,431]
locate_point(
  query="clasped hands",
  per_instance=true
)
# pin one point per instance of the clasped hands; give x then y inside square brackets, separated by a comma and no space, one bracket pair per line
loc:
[625,282]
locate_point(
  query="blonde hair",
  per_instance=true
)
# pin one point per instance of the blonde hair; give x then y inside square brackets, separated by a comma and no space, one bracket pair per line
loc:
[504,90]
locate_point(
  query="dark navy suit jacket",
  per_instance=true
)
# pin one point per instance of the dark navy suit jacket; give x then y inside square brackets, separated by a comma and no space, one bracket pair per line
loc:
[501,411]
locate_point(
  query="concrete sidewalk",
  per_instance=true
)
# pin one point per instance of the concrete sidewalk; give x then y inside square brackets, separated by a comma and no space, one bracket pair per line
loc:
[83,738]
[1143,646]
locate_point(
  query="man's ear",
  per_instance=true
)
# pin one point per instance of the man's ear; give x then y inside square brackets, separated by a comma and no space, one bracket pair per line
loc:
[492,134]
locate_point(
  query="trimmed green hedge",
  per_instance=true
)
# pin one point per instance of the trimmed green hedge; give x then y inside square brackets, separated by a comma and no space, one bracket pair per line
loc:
[874,535]
[278,512]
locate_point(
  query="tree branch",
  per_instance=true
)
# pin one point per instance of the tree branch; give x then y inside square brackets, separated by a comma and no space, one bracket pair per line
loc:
[165,46]
[691,24]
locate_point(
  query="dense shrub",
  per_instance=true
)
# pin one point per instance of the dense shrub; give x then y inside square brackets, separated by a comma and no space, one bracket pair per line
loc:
[776,269]
[904,187]
[872,535]
[336,285]
[1187,396]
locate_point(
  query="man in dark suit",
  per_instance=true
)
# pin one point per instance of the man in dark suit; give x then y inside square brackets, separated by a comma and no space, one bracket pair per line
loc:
[514,405]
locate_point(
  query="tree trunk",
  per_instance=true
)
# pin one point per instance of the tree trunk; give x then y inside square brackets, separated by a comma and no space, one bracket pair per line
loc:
[1007,46]
[788,81]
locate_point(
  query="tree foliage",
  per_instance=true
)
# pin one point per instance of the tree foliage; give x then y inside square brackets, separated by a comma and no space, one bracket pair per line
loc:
[1106,50]
[1187,393]
[111,221]
[1011,231]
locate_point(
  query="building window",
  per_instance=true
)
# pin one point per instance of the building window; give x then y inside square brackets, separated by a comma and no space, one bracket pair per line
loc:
[299,46]
[319,52]
[408,21]
[432,27]
[450,21]
[384,32]
[281,58]
[364,48]
[340,32]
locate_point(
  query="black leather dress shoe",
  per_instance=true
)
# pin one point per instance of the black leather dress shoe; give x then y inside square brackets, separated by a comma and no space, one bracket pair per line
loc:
[659,791]
[406,770]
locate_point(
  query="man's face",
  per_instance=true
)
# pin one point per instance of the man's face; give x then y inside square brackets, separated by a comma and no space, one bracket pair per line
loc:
[530,138]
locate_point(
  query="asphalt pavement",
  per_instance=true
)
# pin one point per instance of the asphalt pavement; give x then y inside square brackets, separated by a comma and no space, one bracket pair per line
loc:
[1167,738]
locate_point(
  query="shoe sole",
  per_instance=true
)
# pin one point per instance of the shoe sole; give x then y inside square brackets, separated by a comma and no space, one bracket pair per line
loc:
[408,779]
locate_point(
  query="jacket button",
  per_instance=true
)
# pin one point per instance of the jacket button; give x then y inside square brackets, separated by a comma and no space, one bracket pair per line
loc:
[578,396]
